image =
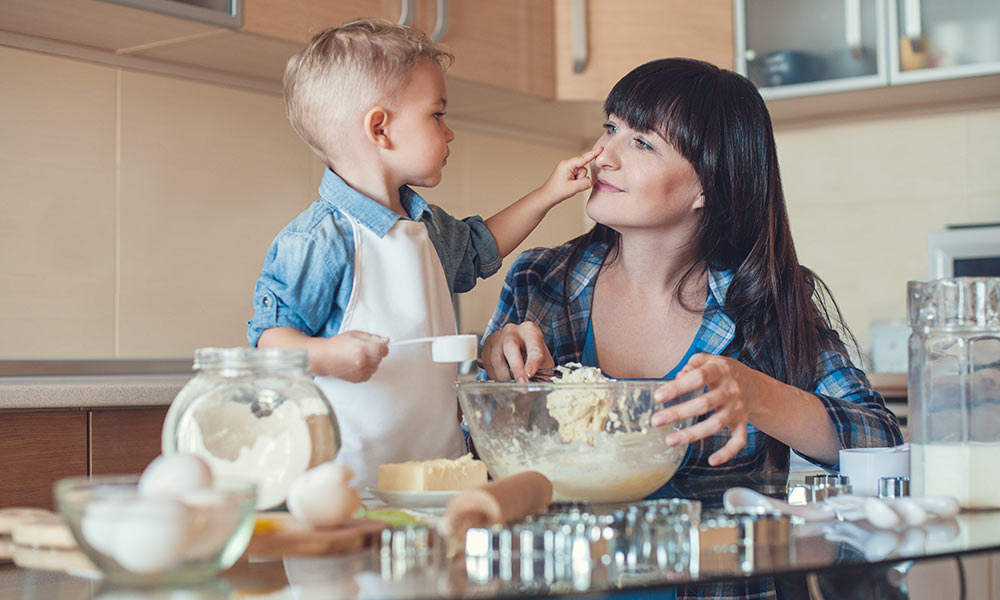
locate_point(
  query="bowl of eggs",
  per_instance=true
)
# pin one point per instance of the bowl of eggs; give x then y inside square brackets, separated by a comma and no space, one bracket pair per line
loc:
[172,525]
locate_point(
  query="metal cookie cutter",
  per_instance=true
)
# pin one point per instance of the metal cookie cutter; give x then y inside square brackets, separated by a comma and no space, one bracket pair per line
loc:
[893,487]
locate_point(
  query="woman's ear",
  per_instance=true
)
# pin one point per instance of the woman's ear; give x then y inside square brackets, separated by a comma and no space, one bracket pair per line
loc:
[699,200]
[376,125]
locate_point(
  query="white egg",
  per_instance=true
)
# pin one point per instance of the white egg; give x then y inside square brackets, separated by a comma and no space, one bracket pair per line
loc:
[321,496]
[99,522]
[151,535]
[174,474]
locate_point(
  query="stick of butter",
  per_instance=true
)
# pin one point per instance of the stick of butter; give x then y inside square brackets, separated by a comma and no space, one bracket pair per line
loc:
[432,475]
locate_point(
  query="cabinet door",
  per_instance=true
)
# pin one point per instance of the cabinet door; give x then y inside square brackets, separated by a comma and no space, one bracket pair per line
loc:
[509,44]
[124,441]
[299,20]
[39,448]
[943,39]
[623,35]
[799,47]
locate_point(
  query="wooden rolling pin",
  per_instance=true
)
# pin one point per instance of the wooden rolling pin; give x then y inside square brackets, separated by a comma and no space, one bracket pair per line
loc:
[501,501]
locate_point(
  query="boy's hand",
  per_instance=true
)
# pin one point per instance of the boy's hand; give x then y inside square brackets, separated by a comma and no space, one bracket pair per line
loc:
[570,177]
[353,355]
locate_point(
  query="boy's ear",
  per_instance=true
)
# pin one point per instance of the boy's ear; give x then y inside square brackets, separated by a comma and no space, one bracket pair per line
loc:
[376,126]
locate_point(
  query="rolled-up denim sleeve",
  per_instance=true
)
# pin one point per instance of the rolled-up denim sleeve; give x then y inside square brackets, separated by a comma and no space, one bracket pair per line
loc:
[296,288]
[859,415]
[467,249]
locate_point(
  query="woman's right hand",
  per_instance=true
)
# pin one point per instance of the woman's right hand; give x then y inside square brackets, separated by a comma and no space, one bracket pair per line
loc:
[516,352]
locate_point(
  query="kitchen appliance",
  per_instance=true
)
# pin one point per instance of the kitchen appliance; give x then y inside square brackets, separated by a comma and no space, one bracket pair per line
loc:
[954,389]
[253,415]
[964,251]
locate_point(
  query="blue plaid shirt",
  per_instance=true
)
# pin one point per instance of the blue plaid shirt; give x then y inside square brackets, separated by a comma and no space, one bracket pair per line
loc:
[533,291]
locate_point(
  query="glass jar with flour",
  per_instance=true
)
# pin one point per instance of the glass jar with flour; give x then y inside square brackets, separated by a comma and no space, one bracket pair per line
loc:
[253,415]
[954,389]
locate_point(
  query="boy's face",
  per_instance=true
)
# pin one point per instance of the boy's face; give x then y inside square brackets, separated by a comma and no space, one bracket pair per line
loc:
[417,130]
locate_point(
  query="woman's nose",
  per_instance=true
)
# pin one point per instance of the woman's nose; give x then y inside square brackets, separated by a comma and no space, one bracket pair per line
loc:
[448,133]
[607,159]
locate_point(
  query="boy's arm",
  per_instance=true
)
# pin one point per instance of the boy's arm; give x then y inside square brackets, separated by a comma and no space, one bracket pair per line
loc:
[511,225]
[351,355]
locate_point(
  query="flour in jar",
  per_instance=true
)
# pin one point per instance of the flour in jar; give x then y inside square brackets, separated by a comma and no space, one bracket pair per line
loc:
[239,445]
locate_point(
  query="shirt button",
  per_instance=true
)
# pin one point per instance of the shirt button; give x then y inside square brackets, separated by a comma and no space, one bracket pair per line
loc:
[266,301]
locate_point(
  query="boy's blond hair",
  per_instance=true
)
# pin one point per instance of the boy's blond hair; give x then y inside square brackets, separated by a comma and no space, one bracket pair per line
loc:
[346,70]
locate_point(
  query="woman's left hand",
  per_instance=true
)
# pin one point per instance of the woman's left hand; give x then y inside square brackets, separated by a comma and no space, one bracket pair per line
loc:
[732,388]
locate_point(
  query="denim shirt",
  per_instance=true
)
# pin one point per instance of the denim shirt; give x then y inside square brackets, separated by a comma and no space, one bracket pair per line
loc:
[308,273]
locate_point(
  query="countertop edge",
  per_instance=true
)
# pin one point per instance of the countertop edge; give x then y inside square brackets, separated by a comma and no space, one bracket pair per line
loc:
[85,392]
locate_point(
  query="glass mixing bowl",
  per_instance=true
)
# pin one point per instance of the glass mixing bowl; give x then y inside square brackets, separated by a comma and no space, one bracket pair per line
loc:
[162,540]
[593,441]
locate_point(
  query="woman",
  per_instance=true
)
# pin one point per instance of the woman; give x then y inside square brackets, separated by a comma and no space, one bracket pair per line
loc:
[690,273]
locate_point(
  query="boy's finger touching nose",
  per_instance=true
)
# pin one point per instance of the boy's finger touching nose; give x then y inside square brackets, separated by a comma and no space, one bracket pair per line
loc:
[594,153]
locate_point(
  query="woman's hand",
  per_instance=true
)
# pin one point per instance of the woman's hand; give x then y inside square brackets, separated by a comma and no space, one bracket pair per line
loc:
[732,388]
[516,352]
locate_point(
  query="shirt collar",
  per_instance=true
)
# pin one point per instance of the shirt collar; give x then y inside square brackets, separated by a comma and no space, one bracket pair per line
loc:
[717,328]
[363,209]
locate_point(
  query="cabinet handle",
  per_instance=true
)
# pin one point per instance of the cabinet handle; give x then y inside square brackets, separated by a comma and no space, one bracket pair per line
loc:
[406,13]
[578,32]
[852,28]
[911,24]
[441,27]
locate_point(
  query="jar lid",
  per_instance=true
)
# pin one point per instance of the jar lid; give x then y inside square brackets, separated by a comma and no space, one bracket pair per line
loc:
[957,303]
[249,358]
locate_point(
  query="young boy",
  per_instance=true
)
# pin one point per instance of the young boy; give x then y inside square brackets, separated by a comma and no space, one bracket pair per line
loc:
[370,260]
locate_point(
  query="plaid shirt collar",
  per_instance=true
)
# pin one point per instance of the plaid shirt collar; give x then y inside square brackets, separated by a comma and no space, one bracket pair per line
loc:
[717,329]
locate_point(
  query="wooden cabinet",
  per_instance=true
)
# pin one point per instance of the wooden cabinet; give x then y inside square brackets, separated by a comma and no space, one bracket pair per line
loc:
[299,20]
[526,45]
[41,447]
[505,44]
[124,441]
[623,35]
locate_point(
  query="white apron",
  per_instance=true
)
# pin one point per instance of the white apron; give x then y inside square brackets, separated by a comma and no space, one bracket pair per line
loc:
[408,409]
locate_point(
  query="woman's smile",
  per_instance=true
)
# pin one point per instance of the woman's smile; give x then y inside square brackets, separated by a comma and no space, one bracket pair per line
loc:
[602,185]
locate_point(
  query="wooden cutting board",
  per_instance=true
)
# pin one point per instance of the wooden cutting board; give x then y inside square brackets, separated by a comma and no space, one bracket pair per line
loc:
[279,534]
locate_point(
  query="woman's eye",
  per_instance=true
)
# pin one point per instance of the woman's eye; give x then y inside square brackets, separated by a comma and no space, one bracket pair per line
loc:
[610,128]
[642,145]
[438,115]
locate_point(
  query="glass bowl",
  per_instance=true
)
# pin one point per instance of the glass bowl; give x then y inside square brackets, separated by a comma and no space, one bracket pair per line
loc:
[154,540]
[593,441]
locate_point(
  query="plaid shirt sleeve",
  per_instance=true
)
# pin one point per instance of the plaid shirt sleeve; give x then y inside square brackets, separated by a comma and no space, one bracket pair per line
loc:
[859,415]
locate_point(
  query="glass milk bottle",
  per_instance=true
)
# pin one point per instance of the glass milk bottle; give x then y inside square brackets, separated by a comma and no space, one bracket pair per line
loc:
[954,389]
[253,415]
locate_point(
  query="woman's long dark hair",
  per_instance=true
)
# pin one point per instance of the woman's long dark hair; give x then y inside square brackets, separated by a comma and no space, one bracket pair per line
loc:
[718,121]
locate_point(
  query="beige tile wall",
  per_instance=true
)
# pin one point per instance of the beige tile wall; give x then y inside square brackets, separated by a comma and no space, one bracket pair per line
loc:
[136,209]
[863,195]
[57,207]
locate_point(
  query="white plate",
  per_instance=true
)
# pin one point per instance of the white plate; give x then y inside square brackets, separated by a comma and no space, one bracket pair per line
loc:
[414,499]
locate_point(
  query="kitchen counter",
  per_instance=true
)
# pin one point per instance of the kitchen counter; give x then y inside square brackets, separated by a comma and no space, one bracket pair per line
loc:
[27,385]
[840,559]
[95,391]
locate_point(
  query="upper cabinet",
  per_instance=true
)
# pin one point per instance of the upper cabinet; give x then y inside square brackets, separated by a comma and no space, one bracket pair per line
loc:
[791,48]
[933,40]
[796,47]
[596,48]
[556,49]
